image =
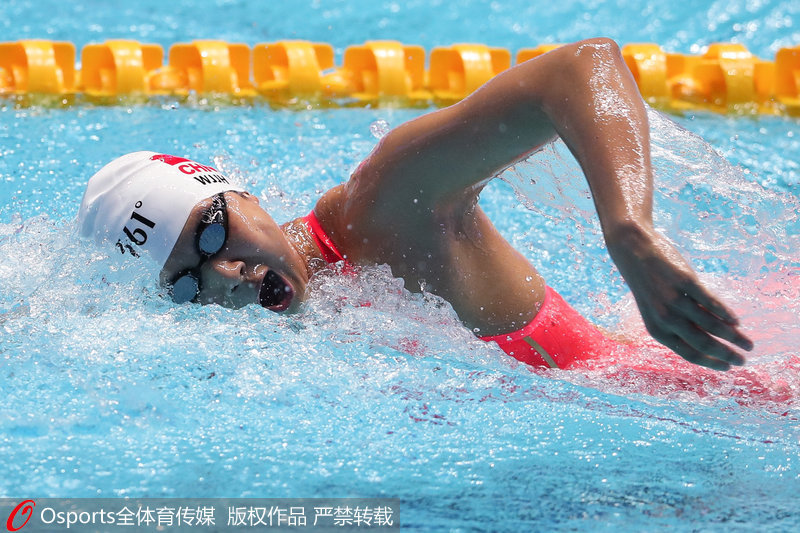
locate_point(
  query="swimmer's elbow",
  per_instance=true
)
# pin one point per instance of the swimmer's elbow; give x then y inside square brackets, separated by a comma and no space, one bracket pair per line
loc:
[597,44]
[590,54]
[581,69]
[571,68]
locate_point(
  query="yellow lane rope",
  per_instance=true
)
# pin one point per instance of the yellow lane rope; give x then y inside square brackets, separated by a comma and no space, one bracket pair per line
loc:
[727,78]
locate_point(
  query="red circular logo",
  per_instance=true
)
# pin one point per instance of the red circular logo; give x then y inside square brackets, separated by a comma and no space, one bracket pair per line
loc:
[27,508]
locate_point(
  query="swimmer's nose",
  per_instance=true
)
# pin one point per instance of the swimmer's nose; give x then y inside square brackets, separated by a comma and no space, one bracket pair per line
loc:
[229,273]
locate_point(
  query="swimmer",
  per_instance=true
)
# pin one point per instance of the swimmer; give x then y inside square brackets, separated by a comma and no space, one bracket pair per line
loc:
[412,204]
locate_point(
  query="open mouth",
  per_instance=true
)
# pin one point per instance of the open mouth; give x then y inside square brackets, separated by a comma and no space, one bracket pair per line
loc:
[275,294]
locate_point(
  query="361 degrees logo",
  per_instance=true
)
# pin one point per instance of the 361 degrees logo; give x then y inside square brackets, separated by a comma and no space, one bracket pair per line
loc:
[24,508]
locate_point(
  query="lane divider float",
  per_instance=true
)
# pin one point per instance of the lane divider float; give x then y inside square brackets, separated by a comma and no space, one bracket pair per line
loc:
[725,78]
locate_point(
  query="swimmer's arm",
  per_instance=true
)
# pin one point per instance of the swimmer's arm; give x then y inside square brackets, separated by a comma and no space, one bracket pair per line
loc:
[608,133]
[582,92]
[585,94]
[607,130]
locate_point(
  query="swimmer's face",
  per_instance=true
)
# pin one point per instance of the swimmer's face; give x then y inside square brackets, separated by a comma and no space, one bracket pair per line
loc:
[255,265]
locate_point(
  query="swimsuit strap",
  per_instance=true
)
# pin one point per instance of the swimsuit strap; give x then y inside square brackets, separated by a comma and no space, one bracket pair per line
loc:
[323,242]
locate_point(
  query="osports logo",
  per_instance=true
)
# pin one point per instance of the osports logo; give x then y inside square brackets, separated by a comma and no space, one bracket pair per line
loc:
[24,508]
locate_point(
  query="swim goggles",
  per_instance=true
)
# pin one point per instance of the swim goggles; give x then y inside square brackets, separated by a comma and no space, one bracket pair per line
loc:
[211,236]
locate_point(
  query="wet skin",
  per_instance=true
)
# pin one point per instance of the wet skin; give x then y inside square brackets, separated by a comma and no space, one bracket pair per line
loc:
[412,204]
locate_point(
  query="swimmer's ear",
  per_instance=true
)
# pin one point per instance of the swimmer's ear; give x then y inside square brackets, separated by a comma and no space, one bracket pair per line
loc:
[247,196]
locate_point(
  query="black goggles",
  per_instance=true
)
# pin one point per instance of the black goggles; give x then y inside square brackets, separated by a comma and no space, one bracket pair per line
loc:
[211,235]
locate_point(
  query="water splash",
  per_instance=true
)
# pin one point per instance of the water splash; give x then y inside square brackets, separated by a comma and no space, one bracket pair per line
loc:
[743,240]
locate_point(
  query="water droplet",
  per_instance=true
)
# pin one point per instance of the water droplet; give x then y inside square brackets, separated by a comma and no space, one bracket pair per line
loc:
[379,128]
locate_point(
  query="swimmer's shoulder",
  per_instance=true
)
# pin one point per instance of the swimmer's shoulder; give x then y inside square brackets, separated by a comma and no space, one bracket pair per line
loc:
[355,219]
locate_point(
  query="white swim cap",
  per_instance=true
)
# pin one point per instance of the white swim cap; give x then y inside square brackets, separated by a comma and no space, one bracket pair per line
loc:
[141,201]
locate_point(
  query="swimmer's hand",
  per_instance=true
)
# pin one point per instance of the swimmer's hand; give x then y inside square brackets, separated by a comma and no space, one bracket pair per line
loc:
[677,310]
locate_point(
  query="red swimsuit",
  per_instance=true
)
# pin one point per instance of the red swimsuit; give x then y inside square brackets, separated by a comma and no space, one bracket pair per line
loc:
[557,337]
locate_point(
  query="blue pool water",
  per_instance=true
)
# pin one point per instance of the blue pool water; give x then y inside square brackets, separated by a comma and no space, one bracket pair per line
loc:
[109,390]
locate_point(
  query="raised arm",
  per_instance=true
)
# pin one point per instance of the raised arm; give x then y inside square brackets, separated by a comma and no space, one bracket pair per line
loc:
[585,94]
